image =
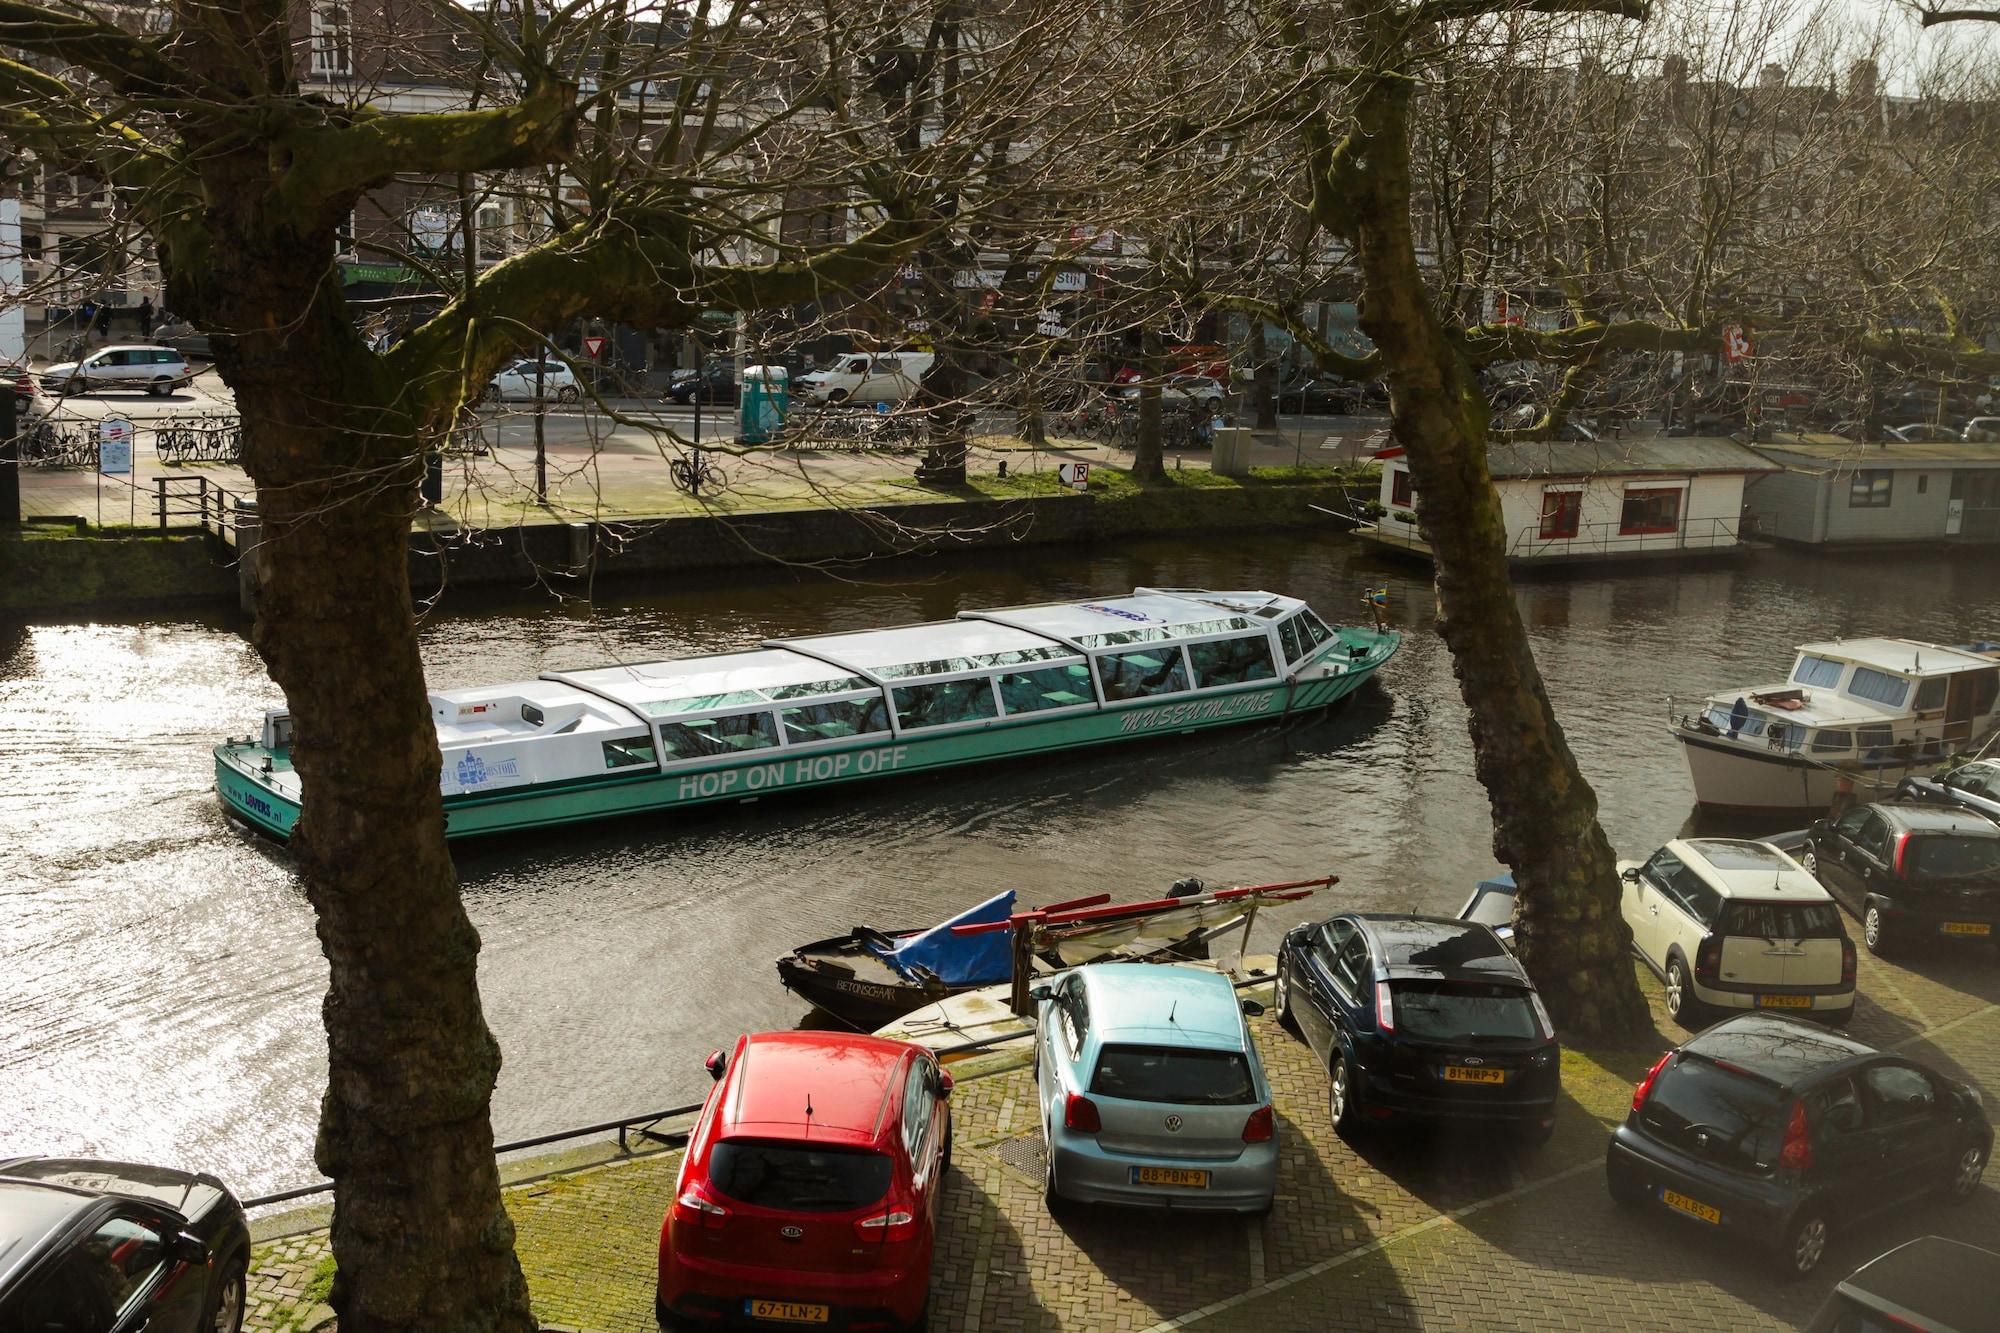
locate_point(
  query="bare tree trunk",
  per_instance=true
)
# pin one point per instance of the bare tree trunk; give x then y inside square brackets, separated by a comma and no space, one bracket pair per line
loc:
[1148,461]
[1570,935]
[1264,384]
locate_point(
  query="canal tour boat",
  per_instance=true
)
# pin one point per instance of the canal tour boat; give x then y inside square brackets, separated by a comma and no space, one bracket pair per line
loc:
[1864,713]
[812,712]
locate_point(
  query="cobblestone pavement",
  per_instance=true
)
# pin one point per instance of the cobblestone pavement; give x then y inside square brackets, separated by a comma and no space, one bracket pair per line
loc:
[1425,1231]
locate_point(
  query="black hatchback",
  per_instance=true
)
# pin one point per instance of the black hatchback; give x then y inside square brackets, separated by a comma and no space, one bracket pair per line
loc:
[1420,1018]
[1911,872]
[1782,1132]
[110,1247]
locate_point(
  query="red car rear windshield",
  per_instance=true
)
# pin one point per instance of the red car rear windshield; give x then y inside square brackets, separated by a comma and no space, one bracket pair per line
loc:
[795,1178]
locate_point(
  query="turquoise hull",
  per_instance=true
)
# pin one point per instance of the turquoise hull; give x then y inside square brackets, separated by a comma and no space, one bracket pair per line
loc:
[254,796]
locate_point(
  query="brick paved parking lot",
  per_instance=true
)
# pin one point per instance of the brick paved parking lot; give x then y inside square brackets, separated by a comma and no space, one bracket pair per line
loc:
[1428,1231]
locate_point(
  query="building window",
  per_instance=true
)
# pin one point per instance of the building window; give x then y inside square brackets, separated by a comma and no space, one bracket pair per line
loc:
[1650,509]
[1562,512]
[1871,489]
[1923,483]
[332,39]
[1401,493]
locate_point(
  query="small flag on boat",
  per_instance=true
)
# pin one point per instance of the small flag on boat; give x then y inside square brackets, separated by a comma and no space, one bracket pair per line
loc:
[1376,596]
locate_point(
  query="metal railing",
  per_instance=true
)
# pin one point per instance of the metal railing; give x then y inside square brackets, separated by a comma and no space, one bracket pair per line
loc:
[195,502]
[1690,534]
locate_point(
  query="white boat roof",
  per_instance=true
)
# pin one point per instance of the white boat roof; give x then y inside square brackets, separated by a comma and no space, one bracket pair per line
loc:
[935,649]
[1110,620]
[1911,657]
[702,684]
[485,713]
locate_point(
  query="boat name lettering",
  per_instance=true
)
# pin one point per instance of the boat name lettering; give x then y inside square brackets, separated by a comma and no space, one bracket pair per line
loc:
[1115,611]
[789,772]
[474,770]
[1197,710]
[249,802]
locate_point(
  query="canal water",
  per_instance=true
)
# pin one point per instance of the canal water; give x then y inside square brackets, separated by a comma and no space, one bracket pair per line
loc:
[159,976]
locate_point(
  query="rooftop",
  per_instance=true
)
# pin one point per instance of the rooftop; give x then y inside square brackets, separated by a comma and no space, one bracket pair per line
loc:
[1783,1050]
[1740,866]
[1156,1001]
[691,684]
[1911,657]
[844,1078]
[1635,455]
[1846,455]
[1444,945]
[910,651]
[1955,1285]
[1146,614]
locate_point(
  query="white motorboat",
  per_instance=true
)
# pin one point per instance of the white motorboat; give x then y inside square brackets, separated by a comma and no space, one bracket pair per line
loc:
[1854,714]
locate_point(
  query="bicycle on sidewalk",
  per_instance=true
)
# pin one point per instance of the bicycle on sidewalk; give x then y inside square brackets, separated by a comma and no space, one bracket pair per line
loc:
[695,474]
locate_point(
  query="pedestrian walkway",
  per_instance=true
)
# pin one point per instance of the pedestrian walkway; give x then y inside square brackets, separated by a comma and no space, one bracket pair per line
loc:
[1448,1230]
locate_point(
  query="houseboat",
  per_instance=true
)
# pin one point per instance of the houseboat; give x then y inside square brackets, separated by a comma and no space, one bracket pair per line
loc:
[573,746]
[1864,713]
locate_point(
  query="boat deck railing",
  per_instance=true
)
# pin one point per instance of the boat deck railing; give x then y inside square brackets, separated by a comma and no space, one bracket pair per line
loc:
[635,1131]
[1926,744]
[1689,534]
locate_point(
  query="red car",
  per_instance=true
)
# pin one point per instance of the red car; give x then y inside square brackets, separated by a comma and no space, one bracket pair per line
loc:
[809,1192]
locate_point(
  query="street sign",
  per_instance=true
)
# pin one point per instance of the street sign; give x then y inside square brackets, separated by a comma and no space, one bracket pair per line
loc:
[114,447]
[1075,475]
[592,346]
[1736,344]
[1051,325]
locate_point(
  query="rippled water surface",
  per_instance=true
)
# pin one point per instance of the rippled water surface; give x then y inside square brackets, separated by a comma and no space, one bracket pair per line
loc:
[159,977]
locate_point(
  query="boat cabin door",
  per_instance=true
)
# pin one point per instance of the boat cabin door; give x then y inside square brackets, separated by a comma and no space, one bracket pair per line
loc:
[1963,696]
[277,730]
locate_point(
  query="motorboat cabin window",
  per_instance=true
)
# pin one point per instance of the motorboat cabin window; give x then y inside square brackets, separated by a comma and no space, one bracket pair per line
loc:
[701,738]
[1721,719]
[628,751]
[834,721]
[945,666]
[813,687]
[1052,687]
[703,703]
[1879,687]
[1139,675]
[1833,742]
[1930,694]
[532,715]
[1231,661]
[1815,670]
[1160,633]
[946,703]
[1293,642]
[1875,738]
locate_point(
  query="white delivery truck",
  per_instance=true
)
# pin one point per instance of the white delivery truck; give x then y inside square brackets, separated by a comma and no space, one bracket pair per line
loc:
[866,378]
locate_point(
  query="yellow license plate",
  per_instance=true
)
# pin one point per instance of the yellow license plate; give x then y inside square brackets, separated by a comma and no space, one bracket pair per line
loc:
[1692,1207]
[1784,1001]
[1966,928]
[1461,1074]
[1170,1175]
[787,1312]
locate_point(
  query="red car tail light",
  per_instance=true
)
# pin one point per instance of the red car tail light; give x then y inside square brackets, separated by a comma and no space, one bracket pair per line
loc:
[1645,1088]
[1846,961]
[696,1207]
[1385,1007]
[894,1223]
[1797,1150]
[1080,1114]
[1261,1127]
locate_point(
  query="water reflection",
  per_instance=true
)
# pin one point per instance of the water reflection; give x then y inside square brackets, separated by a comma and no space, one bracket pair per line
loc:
[159,978]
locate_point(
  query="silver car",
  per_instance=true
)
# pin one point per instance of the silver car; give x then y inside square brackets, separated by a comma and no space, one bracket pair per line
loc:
[1151,1091]
[1976,786]
[157,370]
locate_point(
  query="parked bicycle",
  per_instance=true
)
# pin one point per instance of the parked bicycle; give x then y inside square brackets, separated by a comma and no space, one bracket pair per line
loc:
[695,474]
[205,439]
[45,444]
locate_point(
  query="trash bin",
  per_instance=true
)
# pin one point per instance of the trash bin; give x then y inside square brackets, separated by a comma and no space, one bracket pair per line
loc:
[763,403]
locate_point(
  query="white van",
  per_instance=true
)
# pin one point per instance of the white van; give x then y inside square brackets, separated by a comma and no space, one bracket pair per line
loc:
[868,377]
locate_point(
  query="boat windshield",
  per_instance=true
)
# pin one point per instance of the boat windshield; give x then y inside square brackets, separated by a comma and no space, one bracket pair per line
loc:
[1879,687]
[1815,670]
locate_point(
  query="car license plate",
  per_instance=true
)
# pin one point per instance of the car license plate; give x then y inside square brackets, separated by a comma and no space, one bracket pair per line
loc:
[786,1312]
[1784,1001]
[1462,1074]
[1181,1177]
[1966,928]
[1692,1207]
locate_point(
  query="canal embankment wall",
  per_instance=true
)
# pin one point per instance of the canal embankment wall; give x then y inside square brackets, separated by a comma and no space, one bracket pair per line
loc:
[50,569]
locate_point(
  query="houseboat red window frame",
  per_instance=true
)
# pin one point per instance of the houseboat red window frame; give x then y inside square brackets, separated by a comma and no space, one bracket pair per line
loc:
[1562,512]
[1645,524]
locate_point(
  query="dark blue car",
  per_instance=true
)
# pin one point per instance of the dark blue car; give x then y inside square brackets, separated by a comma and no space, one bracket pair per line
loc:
[1420,1018]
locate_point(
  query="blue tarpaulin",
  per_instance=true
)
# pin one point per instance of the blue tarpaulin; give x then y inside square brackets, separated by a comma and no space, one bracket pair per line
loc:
[959,960]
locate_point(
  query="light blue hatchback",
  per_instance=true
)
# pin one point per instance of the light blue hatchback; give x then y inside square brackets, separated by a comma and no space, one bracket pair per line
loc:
[1151,1091]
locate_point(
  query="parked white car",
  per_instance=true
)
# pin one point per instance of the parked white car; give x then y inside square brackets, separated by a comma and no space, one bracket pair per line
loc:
[1730,924]
[867,378]
[157,370]
[558,381]
[1203,390]
[1983,430]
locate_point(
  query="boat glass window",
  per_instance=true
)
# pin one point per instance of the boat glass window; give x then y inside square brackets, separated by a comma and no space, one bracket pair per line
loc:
[627,751]
[702,703]
[1833,742]
[701,738]
[1232,661]
[834,721]
[1138,675]
[945,703]
[1460,1011]
[1815,670]
[1053,687]
[944,666]
[1157,633]
[1176,1075]
[1314,628]
[1879,686]
[812,687]
[1874,738]
[798,1178]
[532,715]
[1930,694]
[1719,718]
[1940,856]
[1288,635]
